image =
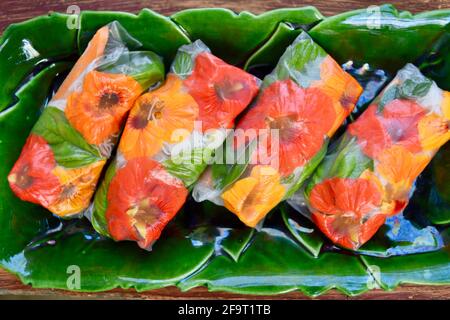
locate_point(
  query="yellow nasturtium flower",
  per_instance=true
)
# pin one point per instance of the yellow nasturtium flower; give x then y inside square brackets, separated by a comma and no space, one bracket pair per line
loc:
[399,167]
[253,197]
[446,104]
[434,132]
[77,188]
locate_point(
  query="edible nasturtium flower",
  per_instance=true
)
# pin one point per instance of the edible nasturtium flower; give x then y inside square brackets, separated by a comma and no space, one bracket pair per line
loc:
[302,117]
[142,198]
[222,91]
[253,197]
[399,168]
[31,178]
[155,119]
[371,135]
[388,206]
[98,109]
[346,210]
[396,124]
[434,132]
[445,106]
[77,188]
[341,87]
[94,50]
[400,119]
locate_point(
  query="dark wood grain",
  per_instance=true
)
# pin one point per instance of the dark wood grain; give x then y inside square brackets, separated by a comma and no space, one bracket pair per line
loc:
[12,287]
[16,10]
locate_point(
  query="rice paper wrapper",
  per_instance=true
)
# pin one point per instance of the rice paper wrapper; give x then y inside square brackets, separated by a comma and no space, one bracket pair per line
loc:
[369,173]
[64,155]
[170,137]
[284,135]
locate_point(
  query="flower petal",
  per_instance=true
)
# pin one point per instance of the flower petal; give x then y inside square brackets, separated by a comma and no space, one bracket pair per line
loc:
[222,91]
[302,118]
[253,197]
[400,118]
[142,198]
[347,210]
[31,177]
[93,51]
[99,109]
[77,188]
[434,132]
[341,87]
[370,132]
[156,118]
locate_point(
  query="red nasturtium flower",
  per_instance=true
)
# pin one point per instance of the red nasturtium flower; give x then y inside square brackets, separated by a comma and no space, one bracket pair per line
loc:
[222,91]
[31,178]
[396,124]
[142,198]
[401,119]
[302,116]
[347,210]
[370,132]
[98,110]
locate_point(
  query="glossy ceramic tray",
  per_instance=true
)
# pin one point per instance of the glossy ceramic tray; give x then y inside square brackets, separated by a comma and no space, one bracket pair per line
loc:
[204,245]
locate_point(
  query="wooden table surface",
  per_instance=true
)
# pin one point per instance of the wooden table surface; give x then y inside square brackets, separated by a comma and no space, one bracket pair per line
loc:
[16,10]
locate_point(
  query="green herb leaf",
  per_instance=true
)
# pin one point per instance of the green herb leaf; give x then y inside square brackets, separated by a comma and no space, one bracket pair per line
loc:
[391,93]
[294,62]
[224,174]
[68,145]
[309,168]
[183,64]
[188,166]
[98,217]
[344,160]
[145,67]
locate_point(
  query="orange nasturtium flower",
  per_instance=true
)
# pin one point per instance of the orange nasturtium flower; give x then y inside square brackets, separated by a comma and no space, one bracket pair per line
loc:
[445,106]
[347,210]
[341,87]
[31,178]
[222,91]
[98,109]
[253,197]
[399,167]
[155,119]
[302,117]
[94,50]
[77,188]
[142,198]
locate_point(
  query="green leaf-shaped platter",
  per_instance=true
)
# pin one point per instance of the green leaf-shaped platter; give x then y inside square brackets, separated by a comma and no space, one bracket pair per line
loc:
[205,245]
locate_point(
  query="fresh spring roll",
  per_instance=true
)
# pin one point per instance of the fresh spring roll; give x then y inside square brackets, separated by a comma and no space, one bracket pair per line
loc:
[369,173]
[284,135]
[169,137]
[64,155]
